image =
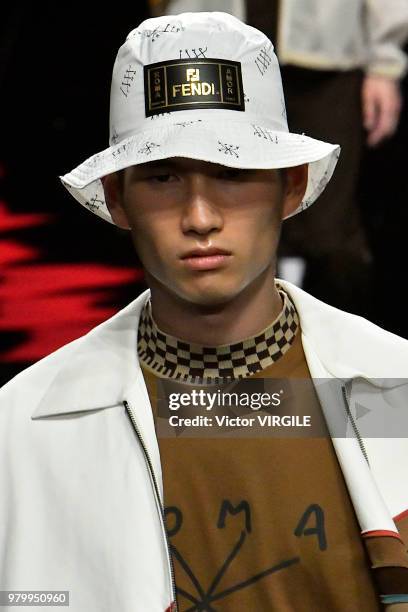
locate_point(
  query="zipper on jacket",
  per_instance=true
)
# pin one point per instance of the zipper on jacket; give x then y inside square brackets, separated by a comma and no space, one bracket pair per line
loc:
[353,423]
[173,605]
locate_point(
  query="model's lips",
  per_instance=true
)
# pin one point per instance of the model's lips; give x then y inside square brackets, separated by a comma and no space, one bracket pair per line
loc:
[205,259]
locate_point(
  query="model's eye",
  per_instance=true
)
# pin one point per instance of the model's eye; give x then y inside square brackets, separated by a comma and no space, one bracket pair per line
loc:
[162,178]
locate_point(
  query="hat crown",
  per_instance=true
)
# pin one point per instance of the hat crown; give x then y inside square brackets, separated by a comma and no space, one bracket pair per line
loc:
[185,42]
[201,86]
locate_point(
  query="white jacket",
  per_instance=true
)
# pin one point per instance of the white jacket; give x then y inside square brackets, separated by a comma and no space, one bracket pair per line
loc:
[330,34]
[80,471]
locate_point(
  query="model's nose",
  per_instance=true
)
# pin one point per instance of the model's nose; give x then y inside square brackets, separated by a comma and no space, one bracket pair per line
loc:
[201,210]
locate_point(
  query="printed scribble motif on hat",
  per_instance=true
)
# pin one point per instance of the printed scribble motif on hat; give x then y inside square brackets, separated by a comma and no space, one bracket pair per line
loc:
[153,35]
[265,134]
[120,150]
[127,80]
[228,149]
[186,123]
[321,185]
[317,188]
[193,53]
[147,148]
[283,108]
[95,203]
[93,161]
[264,58]
[115,136]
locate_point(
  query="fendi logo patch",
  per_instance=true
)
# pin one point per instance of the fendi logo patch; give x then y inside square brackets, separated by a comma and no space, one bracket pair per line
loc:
[189,84]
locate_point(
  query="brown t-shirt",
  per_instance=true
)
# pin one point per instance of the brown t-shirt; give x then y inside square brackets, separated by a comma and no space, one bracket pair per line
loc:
[261,523]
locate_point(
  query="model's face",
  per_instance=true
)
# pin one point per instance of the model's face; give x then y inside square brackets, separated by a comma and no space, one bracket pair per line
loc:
[203,232]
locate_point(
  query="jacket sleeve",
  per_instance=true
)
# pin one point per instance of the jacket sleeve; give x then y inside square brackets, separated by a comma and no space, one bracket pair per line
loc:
[386,26]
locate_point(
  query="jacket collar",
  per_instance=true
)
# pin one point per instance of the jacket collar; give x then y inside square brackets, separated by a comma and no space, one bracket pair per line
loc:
[102,369]
[350,346]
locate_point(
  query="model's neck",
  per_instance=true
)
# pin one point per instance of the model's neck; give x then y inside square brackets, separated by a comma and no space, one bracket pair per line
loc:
[248,313]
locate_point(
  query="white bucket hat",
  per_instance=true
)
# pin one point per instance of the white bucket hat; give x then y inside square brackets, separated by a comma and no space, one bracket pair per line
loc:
[203,86]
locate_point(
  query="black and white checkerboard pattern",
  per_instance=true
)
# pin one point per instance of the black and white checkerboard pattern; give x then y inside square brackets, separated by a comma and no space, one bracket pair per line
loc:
[169,357]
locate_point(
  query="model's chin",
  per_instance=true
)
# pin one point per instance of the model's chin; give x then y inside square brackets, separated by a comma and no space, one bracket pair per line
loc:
[213,290]
[201,288]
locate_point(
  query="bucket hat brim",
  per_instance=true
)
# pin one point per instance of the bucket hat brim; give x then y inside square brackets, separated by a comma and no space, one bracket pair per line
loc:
[234,144]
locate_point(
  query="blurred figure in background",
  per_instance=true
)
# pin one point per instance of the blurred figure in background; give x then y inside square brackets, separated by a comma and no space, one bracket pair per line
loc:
[342,66]
[174,7]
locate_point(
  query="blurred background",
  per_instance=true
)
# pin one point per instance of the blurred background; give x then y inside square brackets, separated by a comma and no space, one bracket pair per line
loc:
[63,270]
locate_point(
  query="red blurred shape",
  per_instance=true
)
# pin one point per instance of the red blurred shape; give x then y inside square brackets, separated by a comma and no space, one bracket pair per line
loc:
[47,280]
[14,252]
[10,221]
[53,313]
[51,304]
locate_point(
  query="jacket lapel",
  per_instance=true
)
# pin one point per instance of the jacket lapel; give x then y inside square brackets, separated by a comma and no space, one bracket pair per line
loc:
[102,371]
[341,346]
[349,346]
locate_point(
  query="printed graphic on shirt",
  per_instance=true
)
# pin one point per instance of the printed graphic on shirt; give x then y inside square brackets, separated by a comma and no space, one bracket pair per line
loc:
[187,84]
[311,523]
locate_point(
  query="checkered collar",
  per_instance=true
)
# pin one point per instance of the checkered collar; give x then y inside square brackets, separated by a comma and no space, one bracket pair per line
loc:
[170,357]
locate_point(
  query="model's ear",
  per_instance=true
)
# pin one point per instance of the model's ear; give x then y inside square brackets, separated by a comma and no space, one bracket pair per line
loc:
[113,189]
[294,188]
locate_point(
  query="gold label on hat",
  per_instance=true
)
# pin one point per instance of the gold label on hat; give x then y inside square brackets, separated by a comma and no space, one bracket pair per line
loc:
[187,85]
